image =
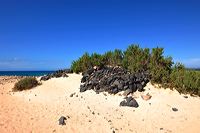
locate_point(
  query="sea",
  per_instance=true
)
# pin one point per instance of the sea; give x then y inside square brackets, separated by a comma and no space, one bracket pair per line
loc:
[25,73]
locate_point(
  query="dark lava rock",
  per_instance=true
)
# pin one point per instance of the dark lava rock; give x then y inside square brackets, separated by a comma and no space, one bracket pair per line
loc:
[89,71]
[62,120]
[174,109]
[68,71]
[82,88]
[127,92]
[71,95]
[115,90]
[113,80]
[44,78]
[140,87]
[130,102]
[84,79]
[133,103]
[57,74]
[125,87]
[123,103]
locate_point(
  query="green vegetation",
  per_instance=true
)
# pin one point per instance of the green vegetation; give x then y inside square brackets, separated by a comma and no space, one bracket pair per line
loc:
[136,59]
[185,81]
[25,84]
[111,58]
[160,67]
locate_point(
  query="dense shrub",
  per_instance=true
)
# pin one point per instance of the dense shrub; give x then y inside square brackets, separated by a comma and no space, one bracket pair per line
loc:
[117,58]
[136,59]
[96,59]
[87,61]
[82,64]
[113,58]
[185,81]
[160,67]
[177,76]
[26,83]
[76,66]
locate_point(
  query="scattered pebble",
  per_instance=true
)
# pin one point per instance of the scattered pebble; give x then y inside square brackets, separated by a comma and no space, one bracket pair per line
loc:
[174,109]
[62,120]
[71,95]
[185,96]
[161,128]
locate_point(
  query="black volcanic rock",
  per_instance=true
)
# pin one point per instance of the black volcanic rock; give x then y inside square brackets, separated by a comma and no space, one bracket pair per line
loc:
[127,92]
[62,120]
[57,74]
[175,109]
[113,80]
[130,102]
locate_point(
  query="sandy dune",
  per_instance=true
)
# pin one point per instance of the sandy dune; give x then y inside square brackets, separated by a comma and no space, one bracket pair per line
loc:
[39,109]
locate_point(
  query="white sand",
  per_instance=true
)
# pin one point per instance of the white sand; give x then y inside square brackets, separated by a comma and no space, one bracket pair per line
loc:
[39,109]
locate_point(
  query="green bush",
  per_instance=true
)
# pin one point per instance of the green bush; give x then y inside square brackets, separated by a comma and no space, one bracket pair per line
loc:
[87,61]
[185,81]
[192,82]
[26,83]
[113,58]
[136,59]
[76,66]
[160,66]
[82,64]
[96,59]
[177,76]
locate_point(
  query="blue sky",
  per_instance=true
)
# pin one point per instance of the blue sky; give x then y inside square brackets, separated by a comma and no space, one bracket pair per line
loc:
[49,34]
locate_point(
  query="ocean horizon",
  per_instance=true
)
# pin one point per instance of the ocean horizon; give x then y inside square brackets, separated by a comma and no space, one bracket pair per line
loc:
[25,73]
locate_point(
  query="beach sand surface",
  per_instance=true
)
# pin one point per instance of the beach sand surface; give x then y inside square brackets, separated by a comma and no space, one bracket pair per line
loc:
[38,110]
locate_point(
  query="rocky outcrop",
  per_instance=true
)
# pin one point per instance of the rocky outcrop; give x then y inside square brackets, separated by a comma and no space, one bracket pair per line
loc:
[113,80]
[57,74]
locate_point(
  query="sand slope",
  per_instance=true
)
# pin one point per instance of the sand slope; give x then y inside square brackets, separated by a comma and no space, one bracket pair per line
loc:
[39,109]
